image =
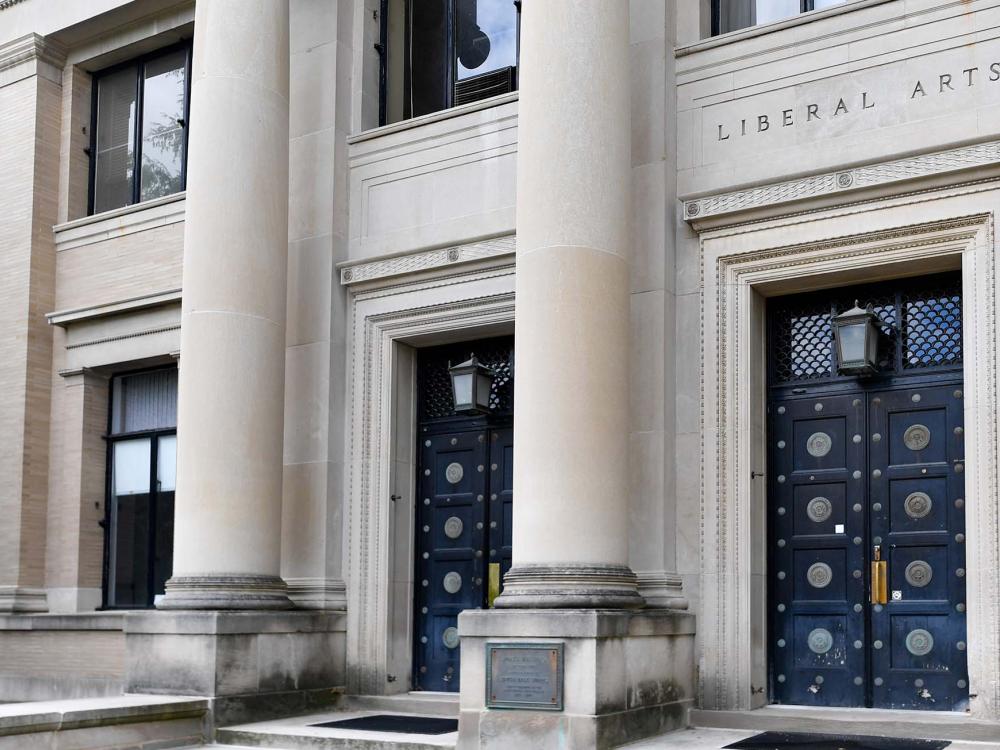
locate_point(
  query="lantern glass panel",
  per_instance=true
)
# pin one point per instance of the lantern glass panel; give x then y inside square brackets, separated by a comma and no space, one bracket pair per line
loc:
[462,383]
[852,343]
[483,383]
[872,340]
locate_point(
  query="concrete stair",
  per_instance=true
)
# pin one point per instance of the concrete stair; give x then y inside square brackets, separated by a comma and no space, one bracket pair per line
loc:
[929,725]
[298,732]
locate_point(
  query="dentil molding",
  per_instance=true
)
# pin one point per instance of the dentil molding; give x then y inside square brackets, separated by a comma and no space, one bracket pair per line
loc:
[843,181]
[356,272]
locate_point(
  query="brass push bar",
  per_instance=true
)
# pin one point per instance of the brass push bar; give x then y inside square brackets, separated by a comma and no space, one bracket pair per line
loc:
[493,591]
[880,578]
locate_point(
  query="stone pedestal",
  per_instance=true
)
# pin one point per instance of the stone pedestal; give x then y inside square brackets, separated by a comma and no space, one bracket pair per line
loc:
[627,675]
[252,664]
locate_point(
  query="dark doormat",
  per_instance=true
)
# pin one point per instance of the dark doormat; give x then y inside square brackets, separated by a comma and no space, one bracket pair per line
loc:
[790,740]
[396,723]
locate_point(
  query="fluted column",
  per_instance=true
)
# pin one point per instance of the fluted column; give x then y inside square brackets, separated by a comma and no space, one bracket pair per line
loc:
[231,392]
[570,530]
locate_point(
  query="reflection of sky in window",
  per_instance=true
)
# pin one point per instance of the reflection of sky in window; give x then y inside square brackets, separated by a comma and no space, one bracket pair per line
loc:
[775,10]
[162,134]
[498,19]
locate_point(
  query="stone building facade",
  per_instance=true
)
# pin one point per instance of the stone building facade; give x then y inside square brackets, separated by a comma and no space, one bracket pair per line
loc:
[244,241]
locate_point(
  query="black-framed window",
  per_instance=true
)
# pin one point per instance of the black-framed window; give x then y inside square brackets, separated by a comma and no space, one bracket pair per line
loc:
[142,463]
[138,134]
[731,15]
[437,54]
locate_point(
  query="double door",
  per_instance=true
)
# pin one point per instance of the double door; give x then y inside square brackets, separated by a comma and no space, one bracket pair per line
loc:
[463,540]
[867,563]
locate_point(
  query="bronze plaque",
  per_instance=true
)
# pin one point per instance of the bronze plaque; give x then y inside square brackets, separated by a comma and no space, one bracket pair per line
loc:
[524,675]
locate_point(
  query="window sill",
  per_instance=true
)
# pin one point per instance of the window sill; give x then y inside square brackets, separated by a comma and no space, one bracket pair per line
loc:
[119,222]
[444,114]
[793,21]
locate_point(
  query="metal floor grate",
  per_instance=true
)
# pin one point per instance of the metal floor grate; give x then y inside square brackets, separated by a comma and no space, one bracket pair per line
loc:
[395,723]
[809,741]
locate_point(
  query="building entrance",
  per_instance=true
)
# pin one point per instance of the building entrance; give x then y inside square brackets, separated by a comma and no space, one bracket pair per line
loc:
[464,493]
[866,563]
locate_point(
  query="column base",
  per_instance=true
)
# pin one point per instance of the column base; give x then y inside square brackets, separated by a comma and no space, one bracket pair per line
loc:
[570,586]
[626,676]
[225,592]
[317,593]
[18,599]
[662,590]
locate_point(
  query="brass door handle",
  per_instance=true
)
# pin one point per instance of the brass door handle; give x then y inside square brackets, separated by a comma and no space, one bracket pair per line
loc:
[880,578]
[493,588]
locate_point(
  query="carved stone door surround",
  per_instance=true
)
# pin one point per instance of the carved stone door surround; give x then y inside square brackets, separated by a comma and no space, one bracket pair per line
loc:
[389,314]
[741,266]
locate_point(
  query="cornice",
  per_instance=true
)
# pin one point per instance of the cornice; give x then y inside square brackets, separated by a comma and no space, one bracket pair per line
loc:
[30,47]
[844,181]
[356,272]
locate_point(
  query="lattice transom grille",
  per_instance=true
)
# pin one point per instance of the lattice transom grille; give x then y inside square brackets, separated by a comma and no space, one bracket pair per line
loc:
[932,328]
[921,327]
[436,400]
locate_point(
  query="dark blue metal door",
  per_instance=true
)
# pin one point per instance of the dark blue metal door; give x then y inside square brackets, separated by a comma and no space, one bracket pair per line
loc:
[917,459]
[462,525]
[857,477]
[818,560]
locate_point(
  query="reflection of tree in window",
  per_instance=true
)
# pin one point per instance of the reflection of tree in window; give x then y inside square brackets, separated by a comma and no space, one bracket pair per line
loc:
[140,130]
[162,127]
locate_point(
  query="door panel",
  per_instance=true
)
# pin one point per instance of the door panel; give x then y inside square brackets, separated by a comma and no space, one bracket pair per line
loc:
[451,521]
[849,473]
[459,531]
[817,553]
[917,495]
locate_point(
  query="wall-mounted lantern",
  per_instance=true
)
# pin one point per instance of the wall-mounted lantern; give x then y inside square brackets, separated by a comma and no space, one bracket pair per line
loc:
[856,333]
[471,383]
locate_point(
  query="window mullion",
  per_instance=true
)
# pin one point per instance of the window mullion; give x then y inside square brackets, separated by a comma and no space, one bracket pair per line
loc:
[154,493]
[137,133]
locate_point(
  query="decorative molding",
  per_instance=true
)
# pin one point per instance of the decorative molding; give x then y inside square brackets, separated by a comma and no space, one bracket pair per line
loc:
[4,4]
[124,336]
[733,393]
[30,47]
[835,183]
[356,272]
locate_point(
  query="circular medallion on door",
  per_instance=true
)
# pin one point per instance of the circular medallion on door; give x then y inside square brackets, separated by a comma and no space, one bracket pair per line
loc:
[917,437]
[454,473]
[819,444]
[917,505]
[820,640]
[452,582]
[819,575]
[819,509]
[919,642]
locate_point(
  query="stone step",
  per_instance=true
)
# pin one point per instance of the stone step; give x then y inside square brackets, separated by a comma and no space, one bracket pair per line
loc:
[929,725]
[97,723]
[424,703]
[299,732]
